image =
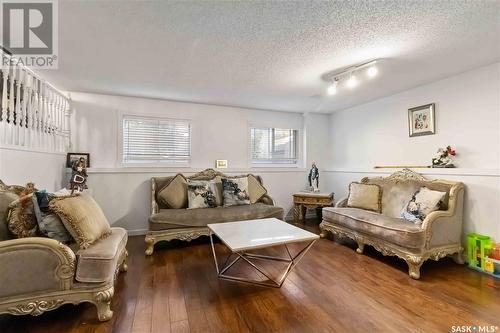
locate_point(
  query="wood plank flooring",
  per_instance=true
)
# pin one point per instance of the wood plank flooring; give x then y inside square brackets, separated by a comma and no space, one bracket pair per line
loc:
[333,289]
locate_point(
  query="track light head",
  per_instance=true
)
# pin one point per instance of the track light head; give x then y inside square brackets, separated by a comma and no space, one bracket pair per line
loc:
[332,88]
[352,82]
[372,71]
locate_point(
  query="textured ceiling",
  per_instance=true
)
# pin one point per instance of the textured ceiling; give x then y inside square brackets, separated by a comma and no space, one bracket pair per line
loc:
[268,54]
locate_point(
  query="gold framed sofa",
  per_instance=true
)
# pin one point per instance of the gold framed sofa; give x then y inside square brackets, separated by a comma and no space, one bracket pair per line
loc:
[171,219]
[40,274]
[438,235]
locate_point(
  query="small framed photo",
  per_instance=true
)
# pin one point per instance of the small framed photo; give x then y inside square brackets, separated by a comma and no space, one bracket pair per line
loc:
[421,120]
[221,164]
[72,157]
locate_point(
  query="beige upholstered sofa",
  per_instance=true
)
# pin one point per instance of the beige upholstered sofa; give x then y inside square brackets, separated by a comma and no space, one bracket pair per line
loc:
[166,224]
[40,274]
[439,234]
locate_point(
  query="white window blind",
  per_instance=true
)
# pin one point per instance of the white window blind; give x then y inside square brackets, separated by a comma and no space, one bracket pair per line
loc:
[150,141]
[273,146]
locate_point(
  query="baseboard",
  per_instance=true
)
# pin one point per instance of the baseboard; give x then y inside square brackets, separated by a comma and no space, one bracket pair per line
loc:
[137,232]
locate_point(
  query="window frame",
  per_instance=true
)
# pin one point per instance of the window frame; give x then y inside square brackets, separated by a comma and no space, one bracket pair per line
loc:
[159,164]
[271,164]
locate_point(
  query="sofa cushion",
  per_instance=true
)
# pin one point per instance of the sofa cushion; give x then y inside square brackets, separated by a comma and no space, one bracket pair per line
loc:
[82,217]
[174,193]
[185,218]
[235,191]
[394,230]
[21,219]
[365,196]
[6,198]
[204,193]
[423,202]
[98,262]
[255,189]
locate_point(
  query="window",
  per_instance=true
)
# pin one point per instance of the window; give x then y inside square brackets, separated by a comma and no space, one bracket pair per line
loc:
[153,141]
[273,146]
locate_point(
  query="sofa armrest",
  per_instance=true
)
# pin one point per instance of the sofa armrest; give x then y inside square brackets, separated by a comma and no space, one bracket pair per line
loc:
[154,204]
[342,202]
[444,227]
[266,199]
[35,264]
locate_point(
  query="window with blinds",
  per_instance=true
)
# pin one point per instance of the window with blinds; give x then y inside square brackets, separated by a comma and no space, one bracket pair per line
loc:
[273,146]
[153,141]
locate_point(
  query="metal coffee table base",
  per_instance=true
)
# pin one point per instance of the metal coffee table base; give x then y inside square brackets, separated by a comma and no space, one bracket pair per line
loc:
[242,255]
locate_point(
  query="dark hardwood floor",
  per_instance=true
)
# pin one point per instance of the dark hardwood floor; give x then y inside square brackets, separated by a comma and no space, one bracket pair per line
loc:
[333,289]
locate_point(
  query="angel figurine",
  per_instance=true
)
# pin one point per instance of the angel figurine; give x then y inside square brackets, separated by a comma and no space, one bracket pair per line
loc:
[314,178]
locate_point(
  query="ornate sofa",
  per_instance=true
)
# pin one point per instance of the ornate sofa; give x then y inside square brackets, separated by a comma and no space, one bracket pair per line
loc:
[40,274]
[166,224]
[438,236]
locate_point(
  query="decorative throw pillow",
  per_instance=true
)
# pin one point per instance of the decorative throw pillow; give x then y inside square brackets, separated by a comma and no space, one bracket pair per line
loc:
[6,197]
[423,202]
[203,194]
[365,196]
[22,219]
[255,189]
[82,217]
[235,191]
[174,194]
[49,223]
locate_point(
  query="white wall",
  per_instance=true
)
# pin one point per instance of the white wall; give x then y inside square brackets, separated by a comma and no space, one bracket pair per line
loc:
[217,133]
[46,170]
[467,118]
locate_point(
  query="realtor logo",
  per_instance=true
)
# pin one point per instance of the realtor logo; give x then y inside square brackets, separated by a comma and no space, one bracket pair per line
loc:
[29,32]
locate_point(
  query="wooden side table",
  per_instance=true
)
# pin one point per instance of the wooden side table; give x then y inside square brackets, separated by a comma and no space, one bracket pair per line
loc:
[302,201]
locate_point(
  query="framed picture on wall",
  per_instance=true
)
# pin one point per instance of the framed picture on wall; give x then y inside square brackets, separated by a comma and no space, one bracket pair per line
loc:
[421,120]
[72,157]
[221,164]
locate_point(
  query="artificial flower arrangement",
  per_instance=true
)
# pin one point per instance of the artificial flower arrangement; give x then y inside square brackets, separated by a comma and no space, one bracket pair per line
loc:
[443,158]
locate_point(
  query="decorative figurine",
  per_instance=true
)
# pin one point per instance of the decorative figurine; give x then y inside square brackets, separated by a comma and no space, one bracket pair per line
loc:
[443,159]
[314,178]
[78,180]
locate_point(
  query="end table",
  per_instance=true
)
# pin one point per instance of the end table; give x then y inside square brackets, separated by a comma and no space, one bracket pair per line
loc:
[310,200]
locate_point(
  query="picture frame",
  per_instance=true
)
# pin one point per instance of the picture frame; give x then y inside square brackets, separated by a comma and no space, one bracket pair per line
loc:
[221,164]
[421,120]
[72,157]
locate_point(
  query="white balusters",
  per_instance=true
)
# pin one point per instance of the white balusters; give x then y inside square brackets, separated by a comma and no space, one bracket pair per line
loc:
[33,114]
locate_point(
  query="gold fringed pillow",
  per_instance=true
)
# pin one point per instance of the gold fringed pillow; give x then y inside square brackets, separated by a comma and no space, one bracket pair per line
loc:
[82,217]
[365,196]
[255,189]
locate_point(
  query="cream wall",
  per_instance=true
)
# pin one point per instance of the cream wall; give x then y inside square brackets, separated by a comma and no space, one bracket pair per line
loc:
[217,133]
[18,166]
[467,117]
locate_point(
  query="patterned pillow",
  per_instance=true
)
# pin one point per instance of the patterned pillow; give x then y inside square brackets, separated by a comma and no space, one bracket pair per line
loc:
[203,194]
[235,191]
[423,202]
[6,197]
[22,220]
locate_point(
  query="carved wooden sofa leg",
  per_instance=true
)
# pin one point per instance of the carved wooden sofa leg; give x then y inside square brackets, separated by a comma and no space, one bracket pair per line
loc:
[150,244]
[458,257]
[123,266]
[103,304]
[361,247]
[414,267]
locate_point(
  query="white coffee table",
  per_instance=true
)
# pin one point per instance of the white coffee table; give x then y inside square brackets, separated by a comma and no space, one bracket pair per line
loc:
[242,236]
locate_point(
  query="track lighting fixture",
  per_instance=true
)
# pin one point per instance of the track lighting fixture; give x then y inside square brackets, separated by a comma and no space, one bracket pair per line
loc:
[348,74]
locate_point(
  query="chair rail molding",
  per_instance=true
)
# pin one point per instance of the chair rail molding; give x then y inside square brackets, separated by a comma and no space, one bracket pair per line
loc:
[34,115]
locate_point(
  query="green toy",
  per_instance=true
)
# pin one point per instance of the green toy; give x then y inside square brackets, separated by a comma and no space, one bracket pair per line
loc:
[478,248]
